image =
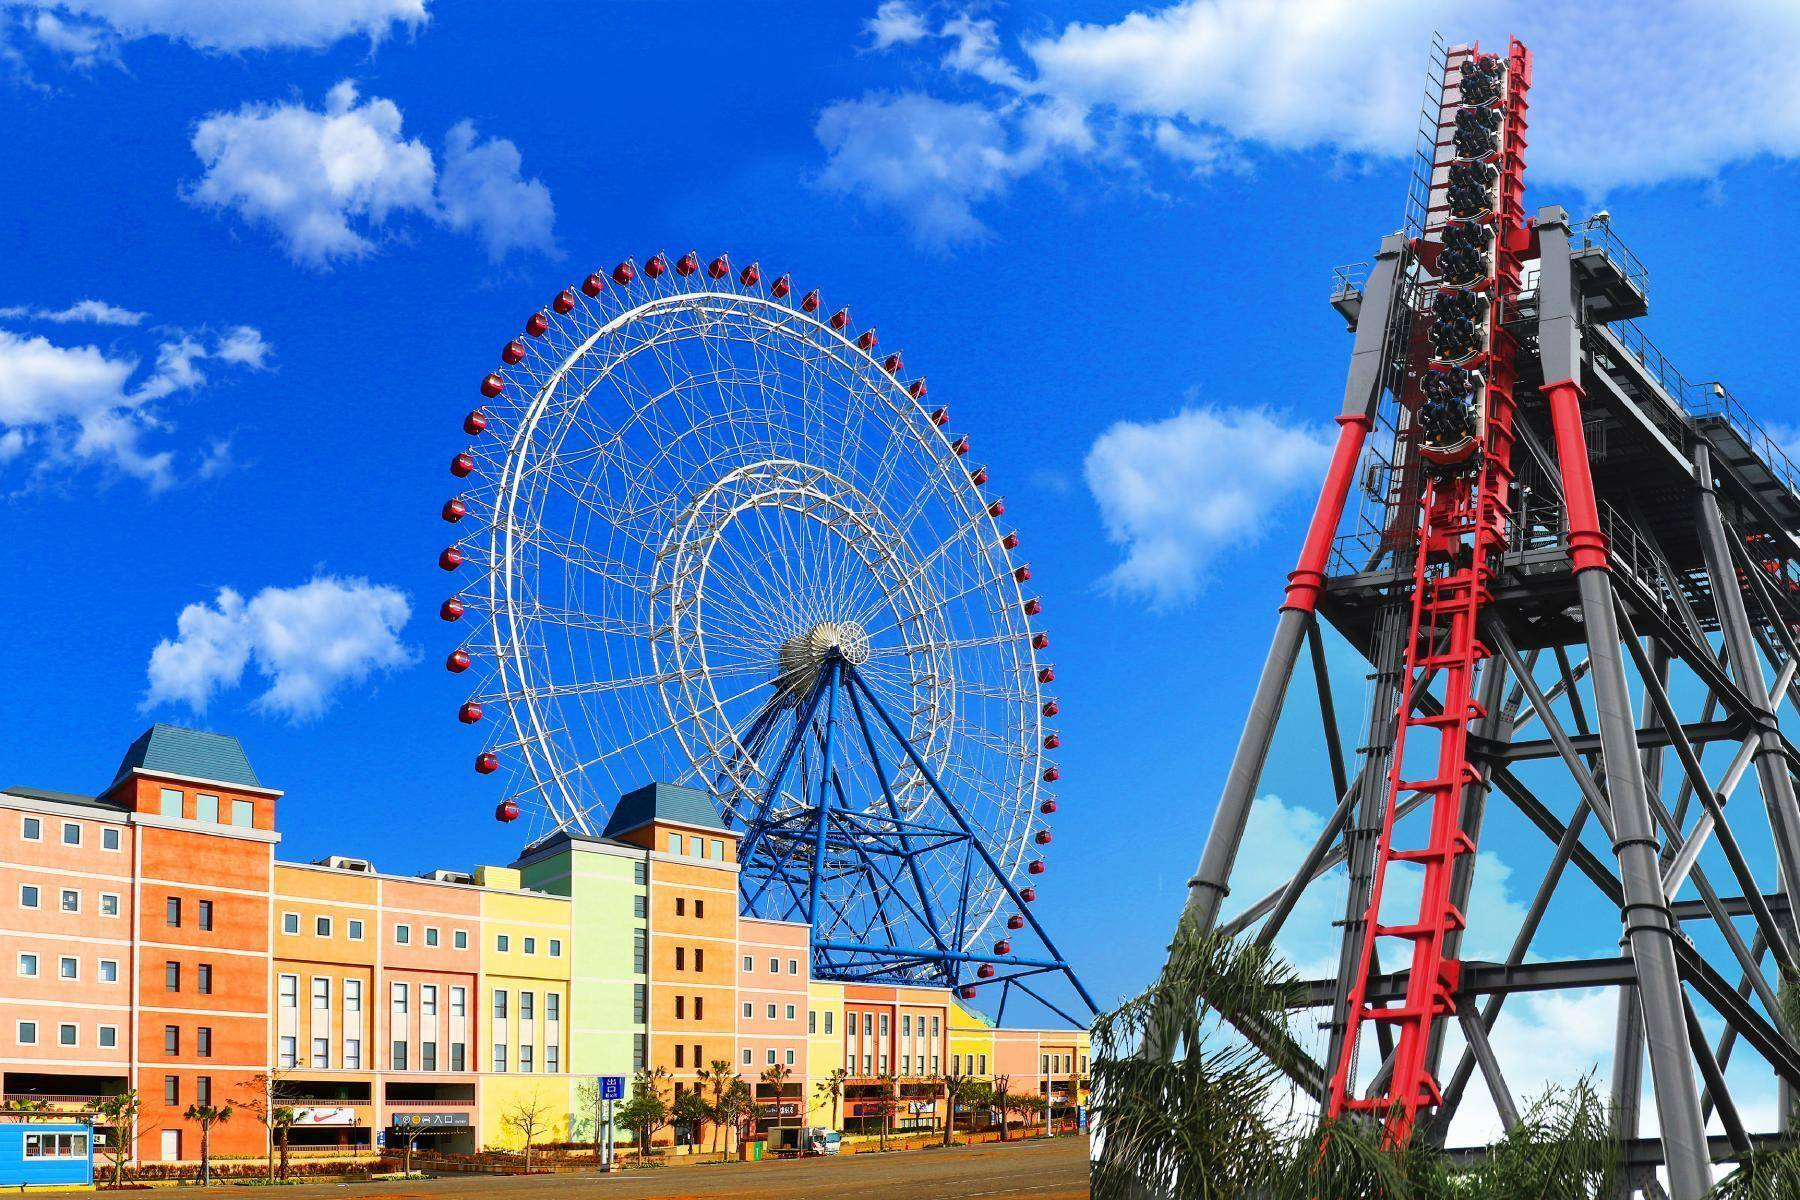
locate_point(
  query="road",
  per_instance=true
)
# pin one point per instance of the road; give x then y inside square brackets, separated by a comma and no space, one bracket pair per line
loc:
[1038,1169]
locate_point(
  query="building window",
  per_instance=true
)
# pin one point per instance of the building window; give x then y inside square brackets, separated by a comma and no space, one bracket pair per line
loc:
[771,1012]
[321,1053]
[403,935]
[206,914]
[109,838]
[793,966]
[427,1056]
[322,927]
[28,965]
[790,1012]
[869,1024]
[499,1005]
[699,908]
[27,1033]
[459,998]
[699,958]
[749,965]
[812,1020]
[397,994]
[502,943]
[747,1058]
[171,1090]
[640,948]
[828,1020]
[553,1007]
[639,1000]
[288,1054]
[71,900]
[290,991]
[906,1025]
[203,979]
[431,935]
[640,873]
[203,1089]
[680,1010]
[718,848]
[749,1010]
[71,834]
[460,939]
[674,843]
[352,995]
[552,1063]
[355,929]
[65,1034]
[353,1054]
[109,970]
[290,923]
[458,1056]
[171,977]
[28,897]
[203,1041]
[171,1040]
[525,1058]
[640,1051]
[398,1060]
[68,968]
[206,808]
[774,966]
[500,1057]
[681,958]
[527,1006]
[243,814]
[680,907]
[32,830]
[771,1054]
[428,999]
[109,1037]
[321,993]
[678,1054]
[884,1026]
[790,1058]
[171,802]
[700,847]
[109,904]
[699,1008]
[531,945]
[640,907]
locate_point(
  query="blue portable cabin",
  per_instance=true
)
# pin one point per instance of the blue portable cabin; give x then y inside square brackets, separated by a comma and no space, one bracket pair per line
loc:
[49,1150]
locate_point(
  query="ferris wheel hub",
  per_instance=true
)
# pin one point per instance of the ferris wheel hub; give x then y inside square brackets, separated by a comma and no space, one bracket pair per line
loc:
[802,656]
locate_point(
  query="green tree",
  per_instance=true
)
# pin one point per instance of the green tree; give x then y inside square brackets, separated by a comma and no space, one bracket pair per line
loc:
[121,1113]
[717,1077]
[735,1107]
[692,1110]
[648,1109]
[958,1089]
[268,1095]
[831,1087]
[775,1077]
[884,1103]
[206,1116]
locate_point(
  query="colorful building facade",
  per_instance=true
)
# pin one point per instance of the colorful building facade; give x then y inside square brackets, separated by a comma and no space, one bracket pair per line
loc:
[152,941]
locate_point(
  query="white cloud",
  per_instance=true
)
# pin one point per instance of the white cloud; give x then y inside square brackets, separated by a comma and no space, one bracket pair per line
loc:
[328,181]
[895,23]
[1682,92]
[245,346]
[80,43]
[482,191]
[94,312]
[234,25]
[70,405]
[307,642]
[1174,493]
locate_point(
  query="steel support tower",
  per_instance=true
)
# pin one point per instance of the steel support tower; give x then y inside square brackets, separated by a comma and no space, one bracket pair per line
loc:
[1571,570]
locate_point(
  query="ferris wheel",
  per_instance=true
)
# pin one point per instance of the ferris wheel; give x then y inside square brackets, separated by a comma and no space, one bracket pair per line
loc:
[712,534]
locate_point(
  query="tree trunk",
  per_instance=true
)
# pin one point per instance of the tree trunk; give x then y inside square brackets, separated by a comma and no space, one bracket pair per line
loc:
[284,1153]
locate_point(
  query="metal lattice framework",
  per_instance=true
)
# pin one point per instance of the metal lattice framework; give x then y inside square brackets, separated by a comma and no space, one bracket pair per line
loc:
[721,539]
[1567,618]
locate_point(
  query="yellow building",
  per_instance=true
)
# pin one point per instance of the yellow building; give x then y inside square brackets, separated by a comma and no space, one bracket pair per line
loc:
[525,956]
[824,1049]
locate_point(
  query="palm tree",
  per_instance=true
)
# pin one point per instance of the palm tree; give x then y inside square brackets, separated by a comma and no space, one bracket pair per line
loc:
[121,1112]
[775,1077]
[207,1115]
[831,1087]
[717,1077]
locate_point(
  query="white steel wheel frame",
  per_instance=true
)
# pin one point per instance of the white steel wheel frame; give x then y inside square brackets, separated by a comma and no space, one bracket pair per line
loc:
[681,477]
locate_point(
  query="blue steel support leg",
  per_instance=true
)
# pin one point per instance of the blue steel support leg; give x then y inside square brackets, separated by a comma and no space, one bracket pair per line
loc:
[893,806]
[833,665]
[803,714]
[854,681]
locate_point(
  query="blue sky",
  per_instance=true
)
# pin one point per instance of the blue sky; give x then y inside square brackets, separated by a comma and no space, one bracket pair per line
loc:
[300,230]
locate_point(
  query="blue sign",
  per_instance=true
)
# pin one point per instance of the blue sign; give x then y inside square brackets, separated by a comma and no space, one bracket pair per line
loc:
[612,1087]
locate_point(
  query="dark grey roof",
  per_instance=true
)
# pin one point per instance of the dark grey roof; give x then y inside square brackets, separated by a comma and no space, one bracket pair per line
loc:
[661,802]
[31,793]
[172,750]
